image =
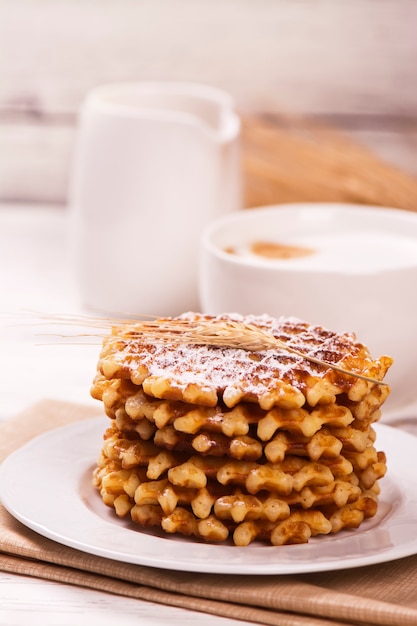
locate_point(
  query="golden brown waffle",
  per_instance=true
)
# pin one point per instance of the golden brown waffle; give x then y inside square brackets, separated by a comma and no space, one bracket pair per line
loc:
[204,374]
[221,442]
[191,419]
[210,512]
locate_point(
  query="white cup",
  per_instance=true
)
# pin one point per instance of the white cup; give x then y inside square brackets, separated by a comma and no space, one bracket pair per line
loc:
[154,163]
[350,268]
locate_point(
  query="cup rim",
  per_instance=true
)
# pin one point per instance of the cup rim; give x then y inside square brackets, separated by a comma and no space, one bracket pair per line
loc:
[248,215]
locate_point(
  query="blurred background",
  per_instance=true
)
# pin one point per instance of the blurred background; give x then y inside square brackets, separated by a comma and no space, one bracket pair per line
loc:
[311,73]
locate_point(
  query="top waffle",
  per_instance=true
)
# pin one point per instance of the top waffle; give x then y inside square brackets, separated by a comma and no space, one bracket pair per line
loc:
[207,374]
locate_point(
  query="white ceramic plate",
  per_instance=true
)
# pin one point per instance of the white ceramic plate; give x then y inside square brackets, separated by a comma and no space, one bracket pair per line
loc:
[47,485]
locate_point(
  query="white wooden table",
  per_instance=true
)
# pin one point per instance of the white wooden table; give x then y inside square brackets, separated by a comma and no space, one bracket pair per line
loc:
[35,275]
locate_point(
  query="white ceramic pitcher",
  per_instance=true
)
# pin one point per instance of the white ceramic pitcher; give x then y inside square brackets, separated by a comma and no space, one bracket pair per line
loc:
[154,163]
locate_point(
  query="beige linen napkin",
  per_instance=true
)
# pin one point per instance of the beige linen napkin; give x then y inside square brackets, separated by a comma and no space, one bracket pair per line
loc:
[382,594]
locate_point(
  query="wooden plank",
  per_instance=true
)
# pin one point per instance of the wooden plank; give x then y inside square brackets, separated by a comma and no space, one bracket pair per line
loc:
[35,162]
[347,64]
[277,55]
[305,164]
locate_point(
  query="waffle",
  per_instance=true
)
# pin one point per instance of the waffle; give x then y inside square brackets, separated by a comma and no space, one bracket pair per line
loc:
[212,513]
[224,443]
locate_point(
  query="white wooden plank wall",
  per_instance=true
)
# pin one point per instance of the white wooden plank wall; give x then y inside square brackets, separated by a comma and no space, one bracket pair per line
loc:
[350,63]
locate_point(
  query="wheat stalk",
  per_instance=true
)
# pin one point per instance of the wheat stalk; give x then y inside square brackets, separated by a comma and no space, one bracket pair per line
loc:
[203,332]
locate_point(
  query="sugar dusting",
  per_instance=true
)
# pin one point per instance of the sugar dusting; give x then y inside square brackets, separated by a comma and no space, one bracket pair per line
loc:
[223,367]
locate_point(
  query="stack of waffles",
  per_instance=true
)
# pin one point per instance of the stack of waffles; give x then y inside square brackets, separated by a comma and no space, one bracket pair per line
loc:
[239,428]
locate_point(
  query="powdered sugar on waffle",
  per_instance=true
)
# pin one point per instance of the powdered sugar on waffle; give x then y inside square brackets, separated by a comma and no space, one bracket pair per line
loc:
[256,372]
